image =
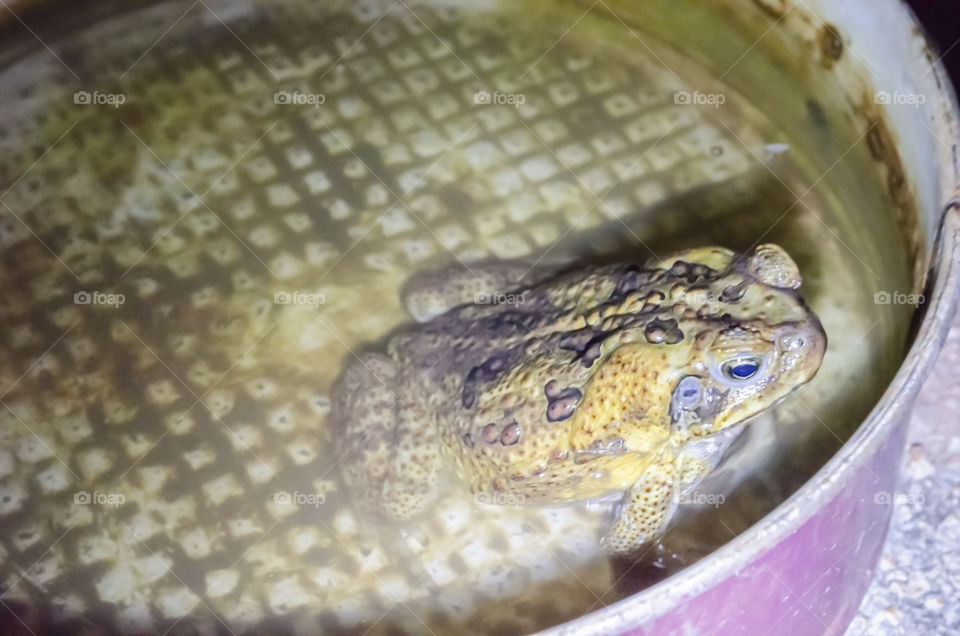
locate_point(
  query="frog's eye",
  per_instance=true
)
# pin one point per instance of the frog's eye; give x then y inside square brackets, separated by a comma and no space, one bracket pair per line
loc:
[741,369]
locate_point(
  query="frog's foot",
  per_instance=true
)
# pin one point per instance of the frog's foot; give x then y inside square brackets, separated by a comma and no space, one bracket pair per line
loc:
[432,293]
[645,511]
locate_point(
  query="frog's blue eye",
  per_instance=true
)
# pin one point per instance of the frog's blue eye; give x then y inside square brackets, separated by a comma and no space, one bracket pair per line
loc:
[741,368]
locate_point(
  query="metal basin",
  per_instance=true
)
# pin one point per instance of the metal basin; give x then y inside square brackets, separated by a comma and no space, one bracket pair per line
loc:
[207,208]
[805,567]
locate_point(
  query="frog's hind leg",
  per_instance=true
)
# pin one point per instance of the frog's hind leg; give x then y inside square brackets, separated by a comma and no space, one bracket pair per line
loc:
[645,511]
[429,294]
[363,422]
[414,466]
[389,456]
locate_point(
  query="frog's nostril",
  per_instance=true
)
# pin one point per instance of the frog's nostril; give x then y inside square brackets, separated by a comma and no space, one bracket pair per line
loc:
[792,342]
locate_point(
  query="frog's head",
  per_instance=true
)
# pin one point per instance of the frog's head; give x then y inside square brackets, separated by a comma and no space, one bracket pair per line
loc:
[731,338]
[752,344]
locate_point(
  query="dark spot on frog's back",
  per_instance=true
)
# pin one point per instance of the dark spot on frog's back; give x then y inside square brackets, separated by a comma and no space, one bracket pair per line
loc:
[561,403]
[585,343]
[560,410]
[629,282]
[663,332]
[510,434]
[699,270]
[495,363]
[552,389]
[592,352]
[576,340]
[469,395]
[487,371]
[693,272]
[509,322]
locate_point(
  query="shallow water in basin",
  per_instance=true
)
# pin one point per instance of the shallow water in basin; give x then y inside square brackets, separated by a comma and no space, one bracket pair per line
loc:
[164,459]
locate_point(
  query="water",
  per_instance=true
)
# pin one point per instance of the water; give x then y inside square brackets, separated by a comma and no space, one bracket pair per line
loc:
[150,447]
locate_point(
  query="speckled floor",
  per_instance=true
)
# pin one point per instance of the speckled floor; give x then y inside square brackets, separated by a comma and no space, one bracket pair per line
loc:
[917,586]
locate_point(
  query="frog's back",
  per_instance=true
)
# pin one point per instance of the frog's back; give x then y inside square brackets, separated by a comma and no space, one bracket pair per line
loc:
[502,380]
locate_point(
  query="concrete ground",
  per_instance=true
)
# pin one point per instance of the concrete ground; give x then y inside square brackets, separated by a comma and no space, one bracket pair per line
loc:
[916,589]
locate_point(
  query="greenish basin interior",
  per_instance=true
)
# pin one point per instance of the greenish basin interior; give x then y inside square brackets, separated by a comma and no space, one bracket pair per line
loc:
[200,197]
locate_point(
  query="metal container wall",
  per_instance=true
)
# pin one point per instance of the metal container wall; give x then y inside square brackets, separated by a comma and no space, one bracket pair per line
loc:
[805,567]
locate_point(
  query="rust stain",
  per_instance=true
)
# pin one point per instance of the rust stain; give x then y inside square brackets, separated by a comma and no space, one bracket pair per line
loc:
[831,45]
[883,148]
[775,10]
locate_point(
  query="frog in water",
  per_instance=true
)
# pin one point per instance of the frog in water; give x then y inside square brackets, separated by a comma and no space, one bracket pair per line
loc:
[560,387]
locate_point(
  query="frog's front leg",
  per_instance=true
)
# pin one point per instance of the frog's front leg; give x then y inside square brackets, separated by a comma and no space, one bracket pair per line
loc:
[675,469]
[432,293]
[388,455]
[646,509]
[650,504]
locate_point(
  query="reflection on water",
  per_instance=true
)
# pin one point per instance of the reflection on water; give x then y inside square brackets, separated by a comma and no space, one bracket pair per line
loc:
[206,229]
